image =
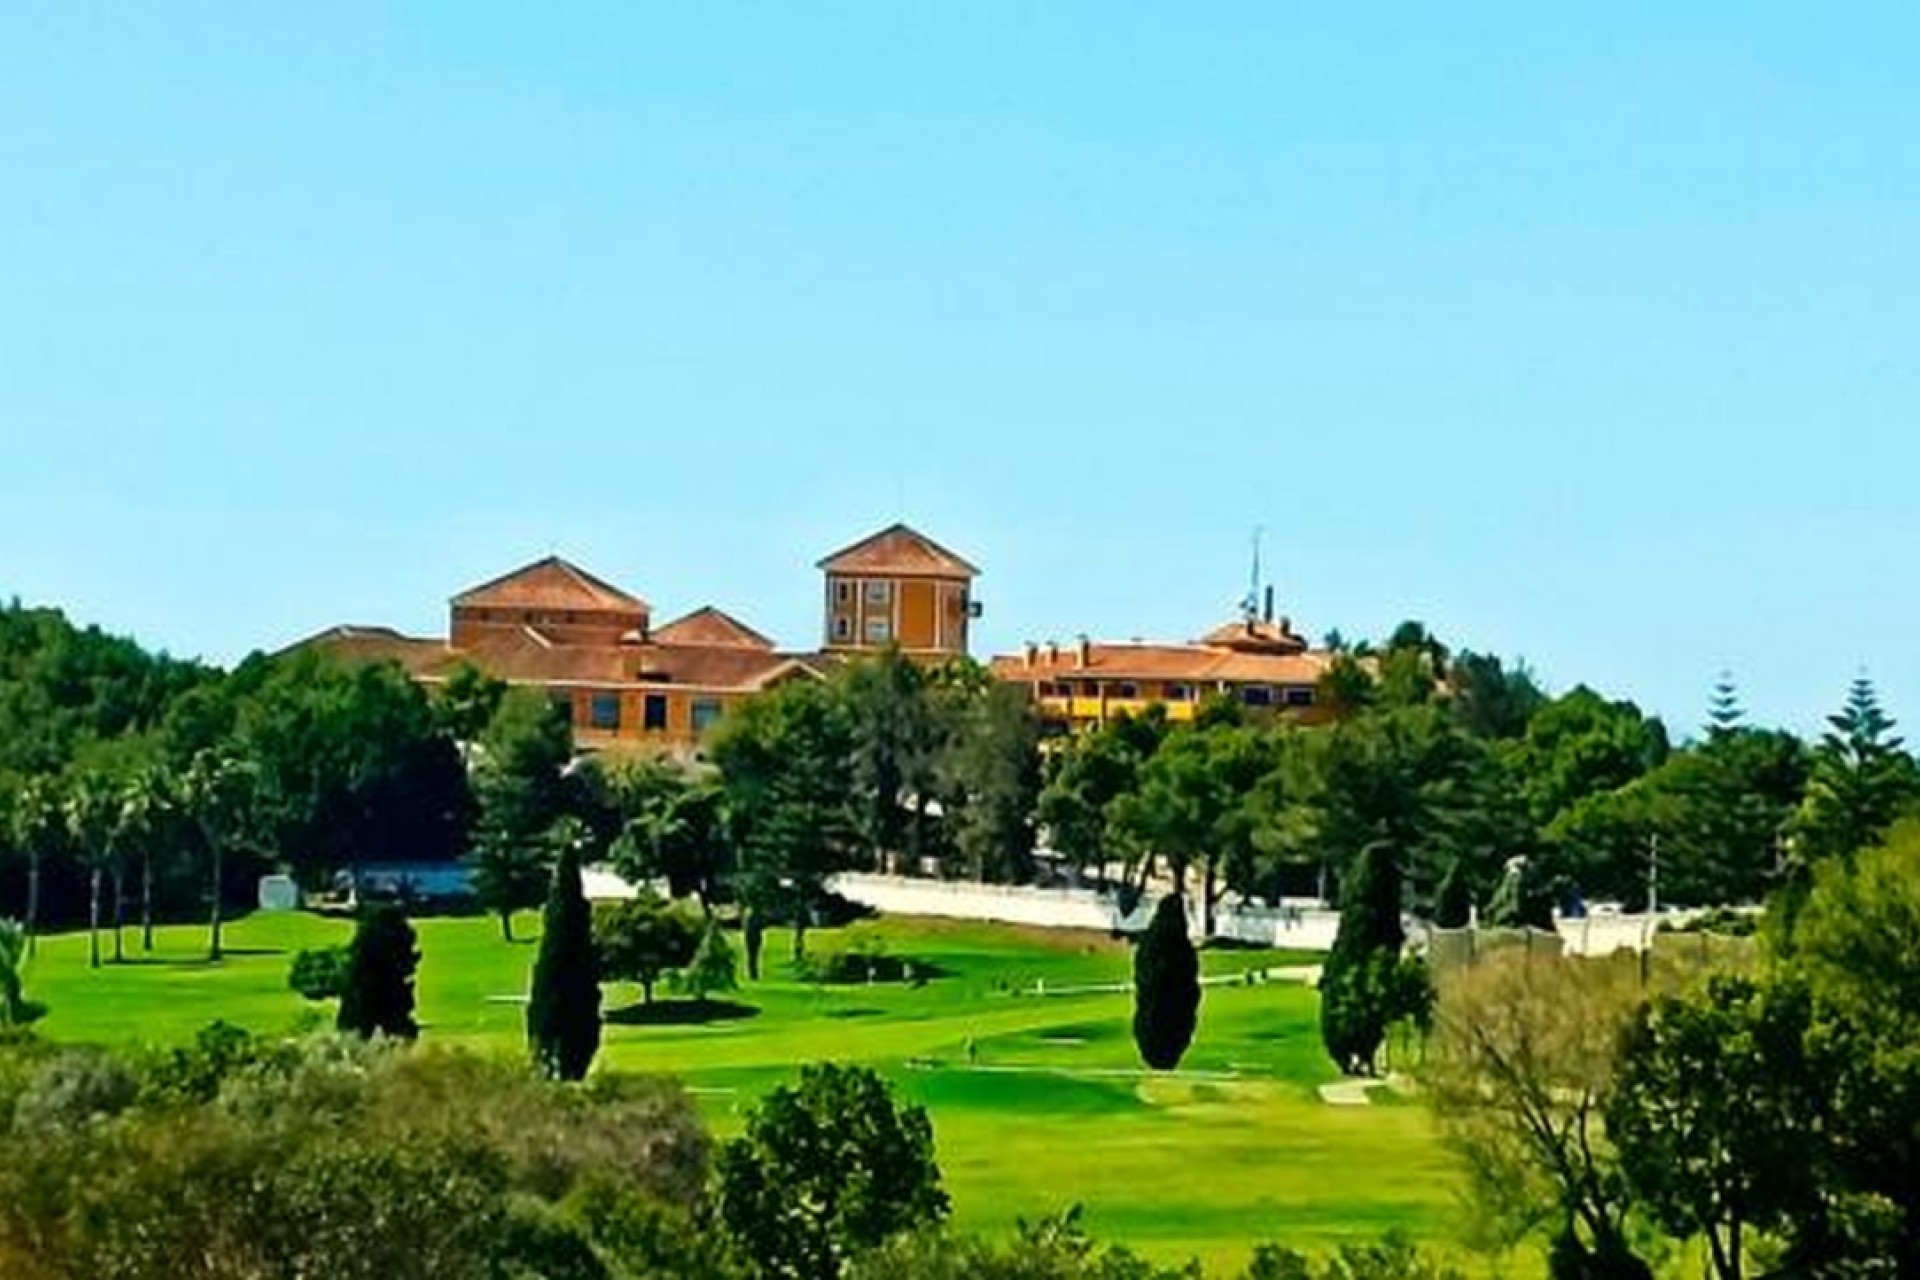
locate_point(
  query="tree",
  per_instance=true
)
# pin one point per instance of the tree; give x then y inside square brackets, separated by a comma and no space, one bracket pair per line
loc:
[1453,902]
[563,1011]
[825,1170]
[1519,1071]
[1088,776]
[1488,700]
[897,740]
[1719,1114]
[1360,988]
[217,793]
[1166,987]
[712,967]
[520,785]
[642,938]
[36,825]
[1862,781]
[377,995]
[1724,712]
[790,807]
[670,826]
[1523,899]
[993,783]
[1856,942]
[13,963]
[465,703]
[88,810]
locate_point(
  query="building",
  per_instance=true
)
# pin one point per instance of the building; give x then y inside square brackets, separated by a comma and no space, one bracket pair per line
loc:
[625,682]
[899,587]
[1256,661]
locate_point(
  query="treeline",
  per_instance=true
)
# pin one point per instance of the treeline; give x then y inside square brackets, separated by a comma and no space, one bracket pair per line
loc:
[135,788]
[1482,790]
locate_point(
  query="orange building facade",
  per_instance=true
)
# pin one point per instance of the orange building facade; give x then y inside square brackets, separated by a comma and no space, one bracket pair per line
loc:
[625,682]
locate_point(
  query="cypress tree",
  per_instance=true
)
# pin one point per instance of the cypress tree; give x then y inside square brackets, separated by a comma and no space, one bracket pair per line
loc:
[563,1010]
[377,993]
[1453,901]
[1166,987]
[1359,996]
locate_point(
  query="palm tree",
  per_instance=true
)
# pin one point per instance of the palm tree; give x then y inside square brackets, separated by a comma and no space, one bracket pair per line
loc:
[36,815]
[89,814]
[217,791]
[137,805]
[160,803]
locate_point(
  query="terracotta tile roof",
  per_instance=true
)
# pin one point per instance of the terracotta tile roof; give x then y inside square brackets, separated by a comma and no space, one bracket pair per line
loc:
[711,627]
[549,584]
[1196,663]
[1250,635]
[899,549]
[522,659]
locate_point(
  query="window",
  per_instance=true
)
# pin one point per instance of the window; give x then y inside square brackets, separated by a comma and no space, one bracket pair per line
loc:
[1179,693]
[1126,689]
[706,712]
[843,628]
[1257,695]
[563,703]
[653,712]
[842,591]
[604,712]
[880,593]
[1300,695]
[879,631]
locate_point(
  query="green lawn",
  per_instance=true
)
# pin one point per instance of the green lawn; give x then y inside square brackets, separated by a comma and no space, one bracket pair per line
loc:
[1235,1149]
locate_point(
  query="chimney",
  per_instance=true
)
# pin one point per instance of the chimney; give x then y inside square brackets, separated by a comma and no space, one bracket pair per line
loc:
[1053,653]
[1083,657]
[1269,608]
[1033,651]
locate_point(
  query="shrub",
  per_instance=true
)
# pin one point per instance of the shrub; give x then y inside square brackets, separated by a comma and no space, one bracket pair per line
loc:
[1166,987]
[319,974]
[376,994]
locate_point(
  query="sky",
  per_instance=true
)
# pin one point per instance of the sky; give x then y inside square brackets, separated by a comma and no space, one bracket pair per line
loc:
[1589,335]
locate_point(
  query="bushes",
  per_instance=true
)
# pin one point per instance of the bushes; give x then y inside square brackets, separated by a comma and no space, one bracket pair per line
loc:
[865,960]
[330,1157]
[319,974]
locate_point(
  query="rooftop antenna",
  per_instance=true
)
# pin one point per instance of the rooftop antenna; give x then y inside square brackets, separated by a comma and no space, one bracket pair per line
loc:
[1250,607]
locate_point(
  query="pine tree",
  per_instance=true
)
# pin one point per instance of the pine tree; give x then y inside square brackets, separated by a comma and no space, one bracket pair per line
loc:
[377,995]
[563,1009]
[1166,987]
[1359,990]
[1862,781]
[1724,712]
[1522,900]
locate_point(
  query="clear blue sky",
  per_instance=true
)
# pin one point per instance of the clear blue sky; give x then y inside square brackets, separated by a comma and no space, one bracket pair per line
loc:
[1591,338]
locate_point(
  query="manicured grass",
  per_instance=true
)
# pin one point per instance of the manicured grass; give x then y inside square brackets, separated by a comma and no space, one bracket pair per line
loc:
[1052,1109]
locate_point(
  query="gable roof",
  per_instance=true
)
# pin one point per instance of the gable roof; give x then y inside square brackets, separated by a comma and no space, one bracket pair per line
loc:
[899,549]
[552,583]
[710,627]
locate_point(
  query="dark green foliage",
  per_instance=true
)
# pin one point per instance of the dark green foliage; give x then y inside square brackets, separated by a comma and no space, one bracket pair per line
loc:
[1523,899]
[641,939]
[712,967]
[319,973]
[1862,781]
[1453,901]
[563,1009]
[520,786]
[669,824]
[992,785]
[1166,987]
[377,992]
[355,1162]
[1717,1113]
[1361,988]
[1488,700]
[789,797]
[826,1170]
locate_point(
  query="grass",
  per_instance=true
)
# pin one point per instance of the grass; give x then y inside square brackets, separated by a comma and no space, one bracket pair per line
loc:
[1052,1109]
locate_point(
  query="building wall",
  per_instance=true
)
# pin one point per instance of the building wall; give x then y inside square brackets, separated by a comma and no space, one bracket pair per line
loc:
[921,615]
[472,626]
[679,704]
